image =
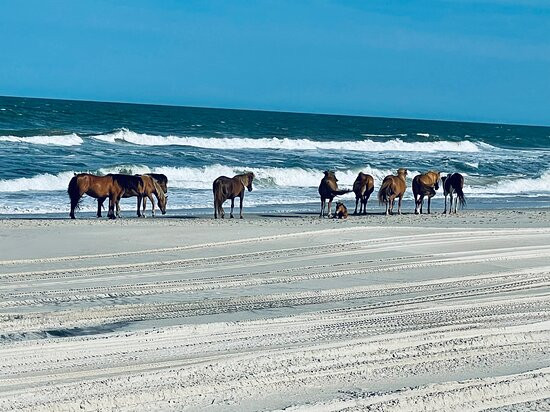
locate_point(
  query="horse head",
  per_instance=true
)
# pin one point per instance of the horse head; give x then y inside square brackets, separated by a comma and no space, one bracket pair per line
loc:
[250,177]
[162,198]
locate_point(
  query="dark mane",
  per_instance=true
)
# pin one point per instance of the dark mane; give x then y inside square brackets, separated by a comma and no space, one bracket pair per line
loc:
[128,182]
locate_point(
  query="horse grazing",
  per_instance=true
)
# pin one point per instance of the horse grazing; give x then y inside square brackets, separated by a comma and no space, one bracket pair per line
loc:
[392,187]
[143,187]
[453,183]
[229,188]
[328,189]
[99,187]
[363,188]
[425,184]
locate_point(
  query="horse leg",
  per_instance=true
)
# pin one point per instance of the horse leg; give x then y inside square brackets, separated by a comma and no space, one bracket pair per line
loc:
[139,206]
[445,210]
[322,207]
[451,203]
[215,209]
[74,204]
[356,202]
[152,199]
[429,200]
[222,212]
[329,207]
[111,212]
[365,209]
[100,201]
[241,205]
[456,203]
[232,206]
[399,205]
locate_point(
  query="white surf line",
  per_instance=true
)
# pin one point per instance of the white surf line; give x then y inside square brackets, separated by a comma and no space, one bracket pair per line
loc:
[250,374]
[272,254]
[277,237]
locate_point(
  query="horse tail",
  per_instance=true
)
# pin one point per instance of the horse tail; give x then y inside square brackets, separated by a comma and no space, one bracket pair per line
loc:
[340,192]
[74,192]
[385,191]
[460,195]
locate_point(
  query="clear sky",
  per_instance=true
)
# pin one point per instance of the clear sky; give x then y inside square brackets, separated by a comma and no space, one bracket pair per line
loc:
[439,59]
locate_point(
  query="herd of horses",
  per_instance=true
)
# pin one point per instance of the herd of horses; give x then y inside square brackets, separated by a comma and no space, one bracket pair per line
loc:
[154,185]
[393,187]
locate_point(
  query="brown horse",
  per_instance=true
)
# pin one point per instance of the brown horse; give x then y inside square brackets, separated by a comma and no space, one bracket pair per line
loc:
[363,188]
[453,183]
[341,211]
[424,185]
[229,188]
[99,187]
[328,189]
[144,189]
[392,187]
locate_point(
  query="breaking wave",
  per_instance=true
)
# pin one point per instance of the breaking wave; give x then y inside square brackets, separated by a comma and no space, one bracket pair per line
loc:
[55,140]
[228,143]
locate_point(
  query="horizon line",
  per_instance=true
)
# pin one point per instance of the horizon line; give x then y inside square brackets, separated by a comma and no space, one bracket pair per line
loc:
[277,111]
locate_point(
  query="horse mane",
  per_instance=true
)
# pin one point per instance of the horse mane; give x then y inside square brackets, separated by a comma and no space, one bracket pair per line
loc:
[158,190]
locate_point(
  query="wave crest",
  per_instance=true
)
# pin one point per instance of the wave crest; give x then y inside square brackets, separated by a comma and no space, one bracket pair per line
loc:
[232,143]
[55,140]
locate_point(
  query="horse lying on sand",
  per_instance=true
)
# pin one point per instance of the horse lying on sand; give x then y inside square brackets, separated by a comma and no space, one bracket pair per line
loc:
[363,188]
[392,187]
[99,187]
[143,187]
[229,188]
[328,189]
[453,183]
[341,211]
[425,184]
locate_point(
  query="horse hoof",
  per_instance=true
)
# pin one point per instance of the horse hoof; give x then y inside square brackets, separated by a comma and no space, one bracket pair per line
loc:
[241,217]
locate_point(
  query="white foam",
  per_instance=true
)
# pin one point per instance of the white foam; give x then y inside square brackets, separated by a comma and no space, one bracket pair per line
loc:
[62,140]
[539,185]
[227,143]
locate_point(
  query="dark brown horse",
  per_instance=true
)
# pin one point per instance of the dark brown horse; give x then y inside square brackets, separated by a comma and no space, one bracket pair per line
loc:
[99,187]
[392,187]
[229,188]
[328,189]
[144,189]
[423,185]
[453,183]
[363,188]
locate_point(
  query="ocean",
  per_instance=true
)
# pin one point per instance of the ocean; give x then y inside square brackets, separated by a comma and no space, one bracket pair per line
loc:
[44,142]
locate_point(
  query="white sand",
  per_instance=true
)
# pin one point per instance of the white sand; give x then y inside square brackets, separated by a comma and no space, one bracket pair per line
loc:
[373,313]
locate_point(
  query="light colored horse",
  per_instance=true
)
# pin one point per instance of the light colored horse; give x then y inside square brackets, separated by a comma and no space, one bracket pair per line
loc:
[453,183]
[363,188]
[229,188]
[392,187]
[423,185]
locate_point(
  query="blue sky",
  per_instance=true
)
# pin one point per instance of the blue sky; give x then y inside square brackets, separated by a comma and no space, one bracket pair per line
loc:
[461,59]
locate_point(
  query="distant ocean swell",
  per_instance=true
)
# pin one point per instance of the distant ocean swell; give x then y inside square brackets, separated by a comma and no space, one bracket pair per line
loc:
[229,143]
[273,177]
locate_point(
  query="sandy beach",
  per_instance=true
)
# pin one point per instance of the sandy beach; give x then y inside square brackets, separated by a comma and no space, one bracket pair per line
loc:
[276,312]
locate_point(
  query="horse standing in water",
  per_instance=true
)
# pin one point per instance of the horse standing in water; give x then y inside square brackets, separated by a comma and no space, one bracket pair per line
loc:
[229,188]
[453,183]
[392,187]
[99,187]
[328,189]
[425,184]
[363,188]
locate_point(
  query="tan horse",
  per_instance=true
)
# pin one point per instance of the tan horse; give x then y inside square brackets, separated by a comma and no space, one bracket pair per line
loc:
[392,187]
[423,185]
[162,180]
[229,188]
[328,189]
[453,183]
[144,189]
[363,188]
[99,187]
